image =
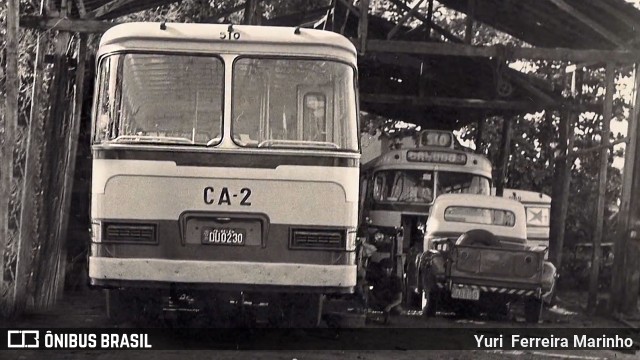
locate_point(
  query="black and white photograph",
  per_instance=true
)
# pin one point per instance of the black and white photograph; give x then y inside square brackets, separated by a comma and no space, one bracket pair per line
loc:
[329,179]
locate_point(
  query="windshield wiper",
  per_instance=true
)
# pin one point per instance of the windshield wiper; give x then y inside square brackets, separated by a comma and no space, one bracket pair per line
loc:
[297,143]
[152,139]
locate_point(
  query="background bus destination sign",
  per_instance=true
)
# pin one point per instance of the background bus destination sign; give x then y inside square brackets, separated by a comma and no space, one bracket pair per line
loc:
[436,138]
[436,157]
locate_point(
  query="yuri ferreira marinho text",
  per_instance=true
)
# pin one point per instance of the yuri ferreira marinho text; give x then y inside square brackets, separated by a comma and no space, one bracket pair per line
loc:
[551,341]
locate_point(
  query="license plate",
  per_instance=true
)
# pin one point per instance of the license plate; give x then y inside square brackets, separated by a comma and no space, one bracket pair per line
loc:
[222,236]
[465,293]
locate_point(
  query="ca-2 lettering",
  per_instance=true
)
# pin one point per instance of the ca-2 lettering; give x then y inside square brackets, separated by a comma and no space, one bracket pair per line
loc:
[226,197]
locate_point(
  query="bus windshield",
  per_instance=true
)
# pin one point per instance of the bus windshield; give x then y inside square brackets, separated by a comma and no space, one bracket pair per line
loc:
[450,182]
[293,103]
[159,98]
[413,186]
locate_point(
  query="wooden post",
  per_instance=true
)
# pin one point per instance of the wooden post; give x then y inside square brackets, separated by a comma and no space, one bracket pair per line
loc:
[7,271]
[626,270]
[363,25]
[479,134]
[250,12]
[430,18]
[27,231]
[562,178]
[468,31]
[505,147]
[596,256]
[71,151]
[49,257]
[559,163]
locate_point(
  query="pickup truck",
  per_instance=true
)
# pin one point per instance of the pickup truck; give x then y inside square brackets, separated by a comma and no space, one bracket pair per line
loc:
[476,257]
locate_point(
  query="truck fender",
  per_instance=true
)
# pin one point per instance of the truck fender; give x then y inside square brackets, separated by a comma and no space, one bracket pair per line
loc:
[430,263]
[548,278]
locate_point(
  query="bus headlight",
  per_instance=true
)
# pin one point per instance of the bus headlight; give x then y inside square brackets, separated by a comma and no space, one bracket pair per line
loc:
[351,240]
[96,231]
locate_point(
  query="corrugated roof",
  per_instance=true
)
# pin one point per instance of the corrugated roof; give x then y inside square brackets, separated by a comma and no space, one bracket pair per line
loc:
[578,24]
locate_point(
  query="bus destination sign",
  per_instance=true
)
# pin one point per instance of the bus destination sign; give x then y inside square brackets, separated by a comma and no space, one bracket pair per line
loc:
[436,138]
[442,157]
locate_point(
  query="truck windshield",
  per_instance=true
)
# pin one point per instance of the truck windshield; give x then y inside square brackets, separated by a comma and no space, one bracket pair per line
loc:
[159,99]
[293,103]
[412,186]
[474,215]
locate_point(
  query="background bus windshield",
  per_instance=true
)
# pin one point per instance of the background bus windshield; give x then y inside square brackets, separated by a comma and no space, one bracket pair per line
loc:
[417,186]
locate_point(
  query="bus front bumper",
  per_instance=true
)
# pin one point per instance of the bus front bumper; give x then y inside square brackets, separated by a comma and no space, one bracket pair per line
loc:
[103,270]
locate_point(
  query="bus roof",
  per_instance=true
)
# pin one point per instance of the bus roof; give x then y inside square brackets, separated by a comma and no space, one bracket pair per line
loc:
[415,159]
[217,38]
[525,196]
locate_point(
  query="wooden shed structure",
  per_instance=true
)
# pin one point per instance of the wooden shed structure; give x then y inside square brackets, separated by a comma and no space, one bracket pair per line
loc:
[411,69]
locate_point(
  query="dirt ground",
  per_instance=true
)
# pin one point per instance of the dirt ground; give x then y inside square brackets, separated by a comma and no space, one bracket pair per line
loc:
[86,309]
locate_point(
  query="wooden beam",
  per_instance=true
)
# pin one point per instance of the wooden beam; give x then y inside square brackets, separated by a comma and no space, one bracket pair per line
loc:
[589,22]
[524,83]
[404,19]
[446,34]
[513,53]
[12,84]
[619,15]
[411,100]
[352,9]
[63,24]
[596,255]
[107,8]
[578,153]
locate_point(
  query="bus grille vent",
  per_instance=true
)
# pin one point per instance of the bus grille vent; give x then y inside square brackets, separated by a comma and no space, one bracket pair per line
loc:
[138,233]
[318,239]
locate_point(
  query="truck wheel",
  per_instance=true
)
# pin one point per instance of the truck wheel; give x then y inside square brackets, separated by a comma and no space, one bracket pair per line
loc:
[532,310]
[429,302]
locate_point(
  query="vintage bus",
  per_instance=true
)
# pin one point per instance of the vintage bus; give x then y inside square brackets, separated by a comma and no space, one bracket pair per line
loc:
[538,208]
[399,186]
[225,168]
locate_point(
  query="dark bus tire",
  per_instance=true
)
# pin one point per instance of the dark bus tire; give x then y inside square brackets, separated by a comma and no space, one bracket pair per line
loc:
[429,303]
[532,310]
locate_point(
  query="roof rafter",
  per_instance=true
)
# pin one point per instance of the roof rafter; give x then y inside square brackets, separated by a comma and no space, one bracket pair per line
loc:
[442,31]
[404,19]
[558,54]
[589,22]
[107,8]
